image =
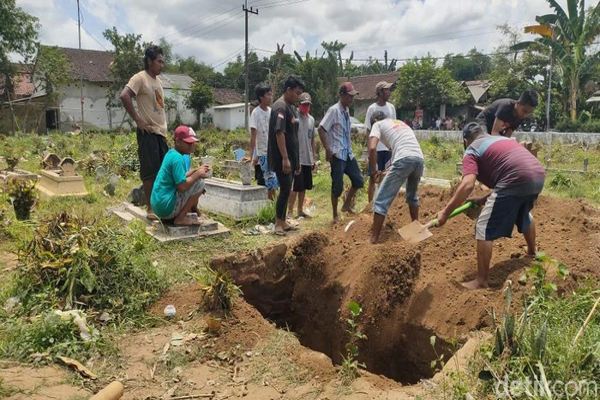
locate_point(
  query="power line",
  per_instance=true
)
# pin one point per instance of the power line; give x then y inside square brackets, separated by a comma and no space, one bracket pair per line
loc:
[200,21]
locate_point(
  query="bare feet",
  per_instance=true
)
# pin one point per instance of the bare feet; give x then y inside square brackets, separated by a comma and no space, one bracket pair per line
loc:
[304,215]
[374,239]
[349,211]
[474,285]
[187,221]
[336,220]
[151,216]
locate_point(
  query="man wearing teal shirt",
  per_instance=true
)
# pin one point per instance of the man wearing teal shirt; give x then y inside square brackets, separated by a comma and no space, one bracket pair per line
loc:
[176,190]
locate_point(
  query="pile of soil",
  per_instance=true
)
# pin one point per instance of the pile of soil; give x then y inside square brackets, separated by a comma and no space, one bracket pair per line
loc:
[408,292]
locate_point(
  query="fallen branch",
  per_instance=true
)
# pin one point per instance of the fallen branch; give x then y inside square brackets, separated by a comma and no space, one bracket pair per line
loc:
[587,321]
[194,396]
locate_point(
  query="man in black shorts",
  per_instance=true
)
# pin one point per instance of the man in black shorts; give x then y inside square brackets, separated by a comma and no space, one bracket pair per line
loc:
[307,146]
[503,116]
[149,118]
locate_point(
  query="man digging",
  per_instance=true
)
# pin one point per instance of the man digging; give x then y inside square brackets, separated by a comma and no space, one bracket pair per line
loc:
[407,166]
[334,131]
[149,118]
[176,190]
[516,178]
[503,116]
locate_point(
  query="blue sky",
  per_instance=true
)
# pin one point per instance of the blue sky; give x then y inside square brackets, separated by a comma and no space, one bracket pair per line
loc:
[212,31]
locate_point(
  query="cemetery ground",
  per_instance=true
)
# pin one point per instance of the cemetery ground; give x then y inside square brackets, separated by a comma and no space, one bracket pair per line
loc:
[319,315]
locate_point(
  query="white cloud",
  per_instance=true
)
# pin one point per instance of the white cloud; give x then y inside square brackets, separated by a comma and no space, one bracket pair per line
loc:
[211,31]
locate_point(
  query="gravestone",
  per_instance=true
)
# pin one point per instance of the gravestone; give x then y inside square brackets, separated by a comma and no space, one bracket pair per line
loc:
[59,179]
[233,199]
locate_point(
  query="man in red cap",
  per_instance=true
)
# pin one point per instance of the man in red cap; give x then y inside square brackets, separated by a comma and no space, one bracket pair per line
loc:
[176,190]
[334,131]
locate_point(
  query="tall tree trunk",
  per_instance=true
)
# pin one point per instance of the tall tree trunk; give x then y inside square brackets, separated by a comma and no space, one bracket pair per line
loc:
[573,94]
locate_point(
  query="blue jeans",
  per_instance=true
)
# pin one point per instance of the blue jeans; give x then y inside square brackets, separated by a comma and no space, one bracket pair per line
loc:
[409,169]
[338,169]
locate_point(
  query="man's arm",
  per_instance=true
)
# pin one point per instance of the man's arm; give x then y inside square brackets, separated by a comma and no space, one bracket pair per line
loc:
[126,97]
[373,141]
[286,166]
[323,137]
[200,173]
[462,192]
[498,126]
[253,144]
[313,144]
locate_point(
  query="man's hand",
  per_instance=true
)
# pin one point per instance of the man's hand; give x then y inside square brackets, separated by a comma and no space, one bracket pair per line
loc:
[141,124]
[298,171]
[255,161]
[376,176]
[314,167]
[479,200]
[442,217]
[203,171]
[328,154]
[286,166]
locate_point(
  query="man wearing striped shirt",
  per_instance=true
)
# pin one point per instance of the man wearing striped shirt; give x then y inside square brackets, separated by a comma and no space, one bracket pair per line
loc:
[334,131]
[516,178]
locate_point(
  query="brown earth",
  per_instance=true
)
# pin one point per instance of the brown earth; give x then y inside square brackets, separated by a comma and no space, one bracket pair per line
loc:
[408,293]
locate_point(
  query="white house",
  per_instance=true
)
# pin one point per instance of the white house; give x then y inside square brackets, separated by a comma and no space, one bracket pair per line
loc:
[229,116]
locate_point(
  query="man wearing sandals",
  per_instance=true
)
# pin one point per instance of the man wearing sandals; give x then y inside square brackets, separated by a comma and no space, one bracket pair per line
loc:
[283,151]
[149,117]
[176,189]
[334,131]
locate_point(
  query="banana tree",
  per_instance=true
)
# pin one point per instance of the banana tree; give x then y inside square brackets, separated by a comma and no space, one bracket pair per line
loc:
[569,35]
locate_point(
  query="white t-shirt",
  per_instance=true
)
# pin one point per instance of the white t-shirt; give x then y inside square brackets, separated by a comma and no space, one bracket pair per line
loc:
[306,133]
[259,120]
[388,110]
[397,136]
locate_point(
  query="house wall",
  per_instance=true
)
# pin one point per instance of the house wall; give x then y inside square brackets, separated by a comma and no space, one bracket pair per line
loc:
[96,114]
[186,115]
[228,118]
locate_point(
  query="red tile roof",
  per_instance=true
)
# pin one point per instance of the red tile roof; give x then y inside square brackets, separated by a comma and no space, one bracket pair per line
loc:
[365,84]
[22,84]
[224,96]
[94,64]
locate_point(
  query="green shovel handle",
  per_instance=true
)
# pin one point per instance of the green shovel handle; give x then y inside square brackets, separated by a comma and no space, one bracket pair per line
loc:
[458,210]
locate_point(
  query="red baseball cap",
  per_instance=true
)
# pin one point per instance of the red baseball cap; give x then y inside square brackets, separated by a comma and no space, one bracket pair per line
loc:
[348,88]
[185,133]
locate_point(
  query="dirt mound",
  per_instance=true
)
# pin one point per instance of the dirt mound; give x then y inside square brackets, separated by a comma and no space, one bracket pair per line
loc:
[408,292]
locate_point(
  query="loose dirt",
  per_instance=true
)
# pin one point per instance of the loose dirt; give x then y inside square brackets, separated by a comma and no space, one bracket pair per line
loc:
[408,293]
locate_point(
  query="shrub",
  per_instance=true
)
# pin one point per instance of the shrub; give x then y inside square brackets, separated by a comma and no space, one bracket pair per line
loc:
[87,263]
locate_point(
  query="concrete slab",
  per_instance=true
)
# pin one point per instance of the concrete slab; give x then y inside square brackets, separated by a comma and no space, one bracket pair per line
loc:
[233,199]
[17,174]
[127,212]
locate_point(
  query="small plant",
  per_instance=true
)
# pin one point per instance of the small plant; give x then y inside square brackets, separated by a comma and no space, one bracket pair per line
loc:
[561,181]
[266,215]
[23,196]
[435,140]
[437,364]
[350,365]
[219,290]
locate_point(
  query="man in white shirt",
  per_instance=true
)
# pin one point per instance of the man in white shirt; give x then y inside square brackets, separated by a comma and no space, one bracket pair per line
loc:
[303,180]
[334,131]
[407,165]
[259,139]
[383,90]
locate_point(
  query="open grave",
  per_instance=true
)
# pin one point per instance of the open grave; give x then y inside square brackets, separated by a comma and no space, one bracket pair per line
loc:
[409,293]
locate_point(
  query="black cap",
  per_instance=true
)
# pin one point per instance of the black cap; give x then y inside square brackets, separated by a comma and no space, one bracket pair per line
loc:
[471,129]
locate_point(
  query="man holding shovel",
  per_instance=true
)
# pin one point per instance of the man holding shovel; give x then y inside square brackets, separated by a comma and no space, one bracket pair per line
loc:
[407,165]
[516,178]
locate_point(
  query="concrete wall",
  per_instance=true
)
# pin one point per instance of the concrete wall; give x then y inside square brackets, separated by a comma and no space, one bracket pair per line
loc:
[545,137]
[228,118]
[96,114]
[186,115]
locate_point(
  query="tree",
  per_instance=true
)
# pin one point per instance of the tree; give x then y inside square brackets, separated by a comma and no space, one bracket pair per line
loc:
[320,77]
[421,84]
[335,49]
[471,66]
[128,60]
[167,49]
[200,98]
[570,35]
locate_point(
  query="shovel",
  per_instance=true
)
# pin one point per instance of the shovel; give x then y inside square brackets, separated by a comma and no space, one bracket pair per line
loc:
[415,232]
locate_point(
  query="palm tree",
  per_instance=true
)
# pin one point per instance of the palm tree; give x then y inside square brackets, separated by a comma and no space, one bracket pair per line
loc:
[569,35]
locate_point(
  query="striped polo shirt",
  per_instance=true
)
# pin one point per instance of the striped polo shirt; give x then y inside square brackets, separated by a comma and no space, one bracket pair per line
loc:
[503,164]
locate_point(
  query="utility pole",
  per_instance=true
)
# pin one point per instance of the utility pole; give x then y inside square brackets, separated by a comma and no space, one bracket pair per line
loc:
[549,92]
[247,65]
[81,72]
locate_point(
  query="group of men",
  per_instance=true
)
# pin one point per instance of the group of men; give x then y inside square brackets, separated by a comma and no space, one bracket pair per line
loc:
[283,151]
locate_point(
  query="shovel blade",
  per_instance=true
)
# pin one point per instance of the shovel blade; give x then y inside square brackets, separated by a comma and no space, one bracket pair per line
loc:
[414,232]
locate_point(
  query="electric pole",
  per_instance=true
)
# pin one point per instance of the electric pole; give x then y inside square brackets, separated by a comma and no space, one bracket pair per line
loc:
[81,72]
[247,65]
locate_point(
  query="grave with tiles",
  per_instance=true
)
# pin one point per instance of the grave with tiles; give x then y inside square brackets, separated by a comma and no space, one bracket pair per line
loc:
[59,179]
[233,199]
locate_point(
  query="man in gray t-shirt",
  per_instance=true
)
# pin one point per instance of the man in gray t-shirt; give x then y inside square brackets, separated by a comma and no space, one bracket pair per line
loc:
[307,150]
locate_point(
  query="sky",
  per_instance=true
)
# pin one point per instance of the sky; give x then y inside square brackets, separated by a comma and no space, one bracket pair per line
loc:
[213,31]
